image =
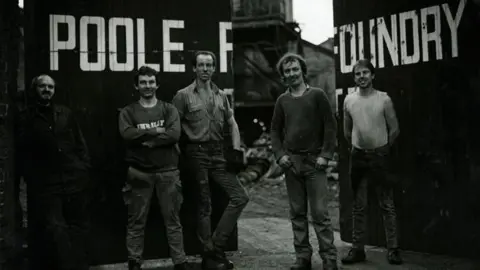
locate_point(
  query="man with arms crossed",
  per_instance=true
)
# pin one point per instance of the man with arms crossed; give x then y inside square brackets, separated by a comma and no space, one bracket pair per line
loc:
[303,132]
[204,110]
[370,125]
[151,130]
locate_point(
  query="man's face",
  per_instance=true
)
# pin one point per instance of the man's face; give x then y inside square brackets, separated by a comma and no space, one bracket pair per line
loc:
[363,77]
[45,88]
[205,67]
[147,86]
[292,72]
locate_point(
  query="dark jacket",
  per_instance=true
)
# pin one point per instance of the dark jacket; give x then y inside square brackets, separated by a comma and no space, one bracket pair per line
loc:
[52,151]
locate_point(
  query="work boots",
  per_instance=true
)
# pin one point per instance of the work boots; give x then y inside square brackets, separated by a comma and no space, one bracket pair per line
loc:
[212,262]
[301,264]
[393,256]
[354,256]
[133,265]
[222,257]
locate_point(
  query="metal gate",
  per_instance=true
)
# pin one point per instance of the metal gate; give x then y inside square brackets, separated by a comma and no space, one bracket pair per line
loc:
[426,56]
[92,48]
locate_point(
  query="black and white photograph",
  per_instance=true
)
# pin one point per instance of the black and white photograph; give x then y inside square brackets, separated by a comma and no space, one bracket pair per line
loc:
[239,134]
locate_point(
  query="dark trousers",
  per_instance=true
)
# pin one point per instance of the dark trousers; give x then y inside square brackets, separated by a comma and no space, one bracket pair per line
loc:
[206,161]
[370,167]
[138,193]
[307,185]
[58,231]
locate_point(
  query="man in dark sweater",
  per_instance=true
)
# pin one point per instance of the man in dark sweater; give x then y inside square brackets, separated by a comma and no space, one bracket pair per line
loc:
[151,130]
[303,132]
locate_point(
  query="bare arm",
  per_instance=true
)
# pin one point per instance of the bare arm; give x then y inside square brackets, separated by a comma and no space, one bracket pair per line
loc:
[232,123]
[130,133]
[179,103]
[347,123]
[330,128]
[392,122]
[172,129]
[276,130]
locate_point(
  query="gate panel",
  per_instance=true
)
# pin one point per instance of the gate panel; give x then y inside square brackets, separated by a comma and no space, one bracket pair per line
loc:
[431,72]
[91,48]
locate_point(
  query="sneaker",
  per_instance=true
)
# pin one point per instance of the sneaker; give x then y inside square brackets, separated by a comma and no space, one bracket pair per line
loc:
[301,264]
[393,257]
[354,256]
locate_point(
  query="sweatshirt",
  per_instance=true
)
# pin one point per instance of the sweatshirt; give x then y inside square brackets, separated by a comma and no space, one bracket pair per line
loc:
[138,125]
[303,124]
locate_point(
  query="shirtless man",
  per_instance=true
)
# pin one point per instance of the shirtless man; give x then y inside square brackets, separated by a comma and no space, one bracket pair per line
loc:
[370,125]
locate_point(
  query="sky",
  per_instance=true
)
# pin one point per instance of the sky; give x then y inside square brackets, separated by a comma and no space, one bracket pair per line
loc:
[315,18]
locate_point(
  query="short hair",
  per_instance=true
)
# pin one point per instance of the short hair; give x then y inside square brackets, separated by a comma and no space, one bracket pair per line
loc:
[364,63]
[197,53]
[36,79]
[291,57]
[145,71]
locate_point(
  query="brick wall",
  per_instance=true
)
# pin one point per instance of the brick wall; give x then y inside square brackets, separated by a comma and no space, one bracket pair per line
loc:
[8,88]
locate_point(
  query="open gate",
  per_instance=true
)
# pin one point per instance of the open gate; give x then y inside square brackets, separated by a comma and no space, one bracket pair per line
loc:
[91,49]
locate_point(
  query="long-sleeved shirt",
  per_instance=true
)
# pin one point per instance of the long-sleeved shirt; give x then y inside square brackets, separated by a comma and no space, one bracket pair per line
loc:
[138,124]
[304,124]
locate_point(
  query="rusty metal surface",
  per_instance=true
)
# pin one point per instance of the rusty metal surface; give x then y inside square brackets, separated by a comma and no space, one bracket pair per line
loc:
[96,90]
[437,157]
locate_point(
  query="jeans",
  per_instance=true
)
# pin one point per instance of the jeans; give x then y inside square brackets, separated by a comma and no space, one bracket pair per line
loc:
[370,167]
[308,185]
[59,226]
[138,195]
[207,162]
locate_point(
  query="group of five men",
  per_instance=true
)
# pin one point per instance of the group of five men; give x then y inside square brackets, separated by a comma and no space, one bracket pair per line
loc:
[303,129]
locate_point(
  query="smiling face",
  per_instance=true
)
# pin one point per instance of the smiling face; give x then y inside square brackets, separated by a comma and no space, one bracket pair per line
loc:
[363,77]
[293,74]
[45,88]
[204,67]
[147,86]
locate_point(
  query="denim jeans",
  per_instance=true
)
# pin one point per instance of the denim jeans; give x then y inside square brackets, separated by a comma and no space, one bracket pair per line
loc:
[308,185]
[207,161]
[138,193]
[370,167]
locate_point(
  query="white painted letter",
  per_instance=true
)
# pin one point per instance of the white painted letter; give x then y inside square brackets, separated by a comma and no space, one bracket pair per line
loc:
[141,46]
[112,25]
[344,68]
[55,44]
[361,51]
[454,23]
[171,46]
[433,36]
[415,58]
[390,40]
[373,50]
[85,65]
[225,46]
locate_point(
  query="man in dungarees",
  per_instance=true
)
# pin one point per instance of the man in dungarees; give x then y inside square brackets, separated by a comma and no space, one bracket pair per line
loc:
[370,125]
[204,110]
[303,132]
